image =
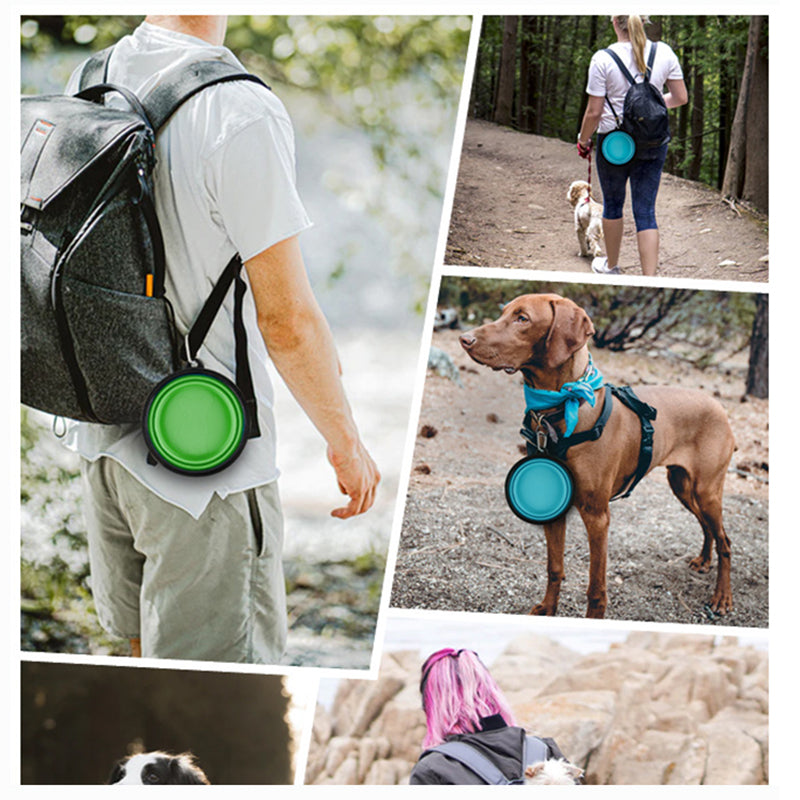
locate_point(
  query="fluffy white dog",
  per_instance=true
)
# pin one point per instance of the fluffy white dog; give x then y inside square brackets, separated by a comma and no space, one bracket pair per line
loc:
[554,772]
[588,219]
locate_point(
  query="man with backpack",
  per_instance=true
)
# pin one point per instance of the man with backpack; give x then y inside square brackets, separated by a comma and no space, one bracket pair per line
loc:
[630,73]
[189,566]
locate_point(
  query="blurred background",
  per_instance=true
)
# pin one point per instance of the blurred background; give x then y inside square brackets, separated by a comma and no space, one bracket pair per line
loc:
[77,721]
[374,102]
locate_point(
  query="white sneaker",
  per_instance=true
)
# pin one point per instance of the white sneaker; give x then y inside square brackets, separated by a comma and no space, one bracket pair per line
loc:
[600,266]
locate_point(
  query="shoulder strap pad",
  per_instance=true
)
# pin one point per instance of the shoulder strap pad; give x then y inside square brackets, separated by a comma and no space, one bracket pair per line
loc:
[165,99]
[651,58]
[95,70]
[535,750]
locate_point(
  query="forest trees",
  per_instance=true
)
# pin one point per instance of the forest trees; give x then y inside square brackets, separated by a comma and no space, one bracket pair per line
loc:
[719,136]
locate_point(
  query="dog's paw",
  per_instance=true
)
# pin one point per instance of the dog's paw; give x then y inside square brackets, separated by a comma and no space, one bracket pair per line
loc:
[700,565]
[542,610]
[722,601]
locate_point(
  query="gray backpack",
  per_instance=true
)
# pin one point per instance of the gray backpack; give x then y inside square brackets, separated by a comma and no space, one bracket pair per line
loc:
[474,760]
[97,329]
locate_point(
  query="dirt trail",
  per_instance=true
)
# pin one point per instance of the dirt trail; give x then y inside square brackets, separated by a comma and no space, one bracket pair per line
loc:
[510,210]
[462,549]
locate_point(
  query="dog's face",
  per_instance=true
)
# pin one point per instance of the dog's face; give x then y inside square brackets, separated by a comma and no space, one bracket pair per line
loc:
[552,773]
[154,769]
[577,192]
[534,330]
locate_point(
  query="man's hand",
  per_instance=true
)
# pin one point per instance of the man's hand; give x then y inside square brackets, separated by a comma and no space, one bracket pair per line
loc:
[358,478]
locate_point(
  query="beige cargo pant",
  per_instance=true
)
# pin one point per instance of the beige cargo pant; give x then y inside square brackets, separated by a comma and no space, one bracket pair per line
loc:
[210,589]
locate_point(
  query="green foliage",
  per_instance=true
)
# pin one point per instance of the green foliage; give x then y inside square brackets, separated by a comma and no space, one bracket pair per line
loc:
[394,80]
[706,327]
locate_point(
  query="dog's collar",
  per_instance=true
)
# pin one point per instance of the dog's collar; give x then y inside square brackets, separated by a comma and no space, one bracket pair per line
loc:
[570,396]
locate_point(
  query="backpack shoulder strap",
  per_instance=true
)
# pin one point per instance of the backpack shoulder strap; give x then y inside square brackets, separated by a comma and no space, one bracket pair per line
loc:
[650,59]
[95,70]
[535,750]
[165,99]
[473,760]
[622,67]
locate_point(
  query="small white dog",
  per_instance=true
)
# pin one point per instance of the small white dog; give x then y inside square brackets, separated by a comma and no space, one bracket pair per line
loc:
[588,219]
[555,772]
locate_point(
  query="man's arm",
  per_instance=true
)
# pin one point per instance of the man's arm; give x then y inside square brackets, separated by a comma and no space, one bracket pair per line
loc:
[301,346]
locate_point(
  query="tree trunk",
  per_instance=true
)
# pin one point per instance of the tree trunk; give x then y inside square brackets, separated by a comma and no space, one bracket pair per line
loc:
[733,182]
[504,105]
[698,109]
[756,171]
[758,365]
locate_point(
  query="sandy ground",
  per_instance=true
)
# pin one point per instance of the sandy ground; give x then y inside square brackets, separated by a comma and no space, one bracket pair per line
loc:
[462,548]
[510,210]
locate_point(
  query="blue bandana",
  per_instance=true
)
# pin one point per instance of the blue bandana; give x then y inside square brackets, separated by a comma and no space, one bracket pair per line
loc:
[570,394]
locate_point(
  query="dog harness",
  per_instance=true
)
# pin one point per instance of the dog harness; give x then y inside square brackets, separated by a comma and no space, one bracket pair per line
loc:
[541,436]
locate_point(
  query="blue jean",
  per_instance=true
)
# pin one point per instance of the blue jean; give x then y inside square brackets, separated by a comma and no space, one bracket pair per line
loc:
[644,173]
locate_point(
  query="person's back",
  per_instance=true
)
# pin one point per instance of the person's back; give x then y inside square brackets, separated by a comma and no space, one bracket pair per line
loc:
[502,746]
[224,183]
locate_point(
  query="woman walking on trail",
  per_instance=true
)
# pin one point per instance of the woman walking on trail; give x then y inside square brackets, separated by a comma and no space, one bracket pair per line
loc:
[463,704]
[607,87]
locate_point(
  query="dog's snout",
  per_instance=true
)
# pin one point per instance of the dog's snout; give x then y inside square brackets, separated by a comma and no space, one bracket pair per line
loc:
[467,340]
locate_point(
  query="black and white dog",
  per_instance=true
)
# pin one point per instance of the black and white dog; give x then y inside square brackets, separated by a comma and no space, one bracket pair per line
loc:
[156,768]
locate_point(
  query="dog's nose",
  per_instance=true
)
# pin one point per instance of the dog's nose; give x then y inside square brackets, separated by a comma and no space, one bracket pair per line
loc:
[467,340]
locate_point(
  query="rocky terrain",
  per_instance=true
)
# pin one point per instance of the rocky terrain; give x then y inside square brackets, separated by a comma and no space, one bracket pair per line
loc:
[656,709]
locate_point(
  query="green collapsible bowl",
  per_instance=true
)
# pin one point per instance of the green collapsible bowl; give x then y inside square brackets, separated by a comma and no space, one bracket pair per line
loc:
[195,422]
[618,148]
[539,489]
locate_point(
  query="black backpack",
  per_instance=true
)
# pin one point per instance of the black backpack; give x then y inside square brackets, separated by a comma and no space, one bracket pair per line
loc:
[644,113]
[97,331]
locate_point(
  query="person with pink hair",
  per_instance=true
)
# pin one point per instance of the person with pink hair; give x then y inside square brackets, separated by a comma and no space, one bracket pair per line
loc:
[463,704]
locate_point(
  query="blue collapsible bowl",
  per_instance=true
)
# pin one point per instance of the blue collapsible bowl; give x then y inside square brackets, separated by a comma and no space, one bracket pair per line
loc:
[539,489]
[618,147]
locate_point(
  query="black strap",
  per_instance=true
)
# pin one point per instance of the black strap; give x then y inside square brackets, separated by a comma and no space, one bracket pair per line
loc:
[231,275]
[646,414]
[558,446]
[651,58]
[158,106]
[165,99]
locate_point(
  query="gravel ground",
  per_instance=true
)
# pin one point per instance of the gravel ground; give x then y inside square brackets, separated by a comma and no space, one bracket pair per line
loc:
[462,549]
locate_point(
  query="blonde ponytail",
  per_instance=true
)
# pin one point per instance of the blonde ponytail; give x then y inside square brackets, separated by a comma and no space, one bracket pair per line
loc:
[634,24]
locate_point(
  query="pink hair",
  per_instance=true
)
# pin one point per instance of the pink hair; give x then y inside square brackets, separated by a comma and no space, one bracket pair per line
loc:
[457,690]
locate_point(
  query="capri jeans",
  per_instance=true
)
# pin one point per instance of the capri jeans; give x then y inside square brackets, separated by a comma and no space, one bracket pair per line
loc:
[644,173]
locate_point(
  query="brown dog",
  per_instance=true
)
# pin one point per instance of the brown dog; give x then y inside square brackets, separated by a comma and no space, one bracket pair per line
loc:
[545,337]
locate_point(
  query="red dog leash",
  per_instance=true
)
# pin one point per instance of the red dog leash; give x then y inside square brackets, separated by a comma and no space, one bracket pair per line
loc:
[586,152]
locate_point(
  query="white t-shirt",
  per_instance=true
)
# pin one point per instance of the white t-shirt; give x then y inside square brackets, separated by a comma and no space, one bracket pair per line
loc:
[606,78]
[224,183]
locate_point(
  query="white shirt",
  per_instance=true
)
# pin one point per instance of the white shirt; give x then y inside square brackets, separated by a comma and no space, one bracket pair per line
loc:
[606,78]
[224,183]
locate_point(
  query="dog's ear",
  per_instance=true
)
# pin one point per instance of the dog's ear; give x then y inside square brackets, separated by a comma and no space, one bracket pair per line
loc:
[118,772]
[184,770]
[532,770]
[573,771]
[569,331]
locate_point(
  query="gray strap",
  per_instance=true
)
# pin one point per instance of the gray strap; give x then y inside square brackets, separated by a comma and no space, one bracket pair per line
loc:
[535,750]
[162,102]
[473,760]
